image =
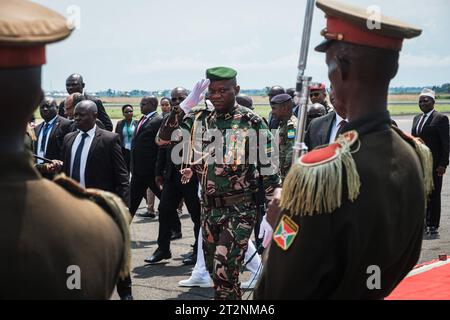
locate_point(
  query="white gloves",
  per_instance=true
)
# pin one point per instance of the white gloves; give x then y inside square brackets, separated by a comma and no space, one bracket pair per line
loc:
[195,96]
[265,232]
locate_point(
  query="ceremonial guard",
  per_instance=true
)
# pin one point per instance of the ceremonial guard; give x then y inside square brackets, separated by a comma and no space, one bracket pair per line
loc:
[352,212]
[58,240]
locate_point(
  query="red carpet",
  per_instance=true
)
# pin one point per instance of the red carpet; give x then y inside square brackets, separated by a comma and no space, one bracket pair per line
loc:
[428,281]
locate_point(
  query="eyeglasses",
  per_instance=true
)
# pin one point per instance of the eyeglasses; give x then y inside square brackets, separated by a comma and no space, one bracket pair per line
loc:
[314,94]
[128,112]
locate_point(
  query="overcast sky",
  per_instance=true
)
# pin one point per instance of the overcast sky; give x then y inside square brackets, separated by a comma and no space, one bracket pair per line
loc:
[160,44]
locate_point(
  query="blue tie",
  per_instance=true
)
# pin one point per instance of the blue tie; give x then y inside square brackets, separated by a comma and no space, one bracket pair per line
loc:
[44,136]
[77,161]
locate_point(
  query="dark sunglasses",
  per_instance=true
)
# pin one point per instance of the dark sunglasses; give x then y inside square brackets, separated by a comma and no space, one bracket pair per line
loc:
[314,94]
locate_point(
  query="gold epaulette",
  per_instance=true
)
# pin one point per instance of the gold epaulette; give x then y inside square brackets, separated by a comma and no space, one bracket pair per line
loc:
[425,157]
[113,205]
[314,185]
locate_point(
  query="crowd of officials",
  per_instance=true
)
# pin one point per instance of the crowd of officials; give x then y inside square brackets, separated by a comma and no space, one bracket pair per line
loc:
[366,193]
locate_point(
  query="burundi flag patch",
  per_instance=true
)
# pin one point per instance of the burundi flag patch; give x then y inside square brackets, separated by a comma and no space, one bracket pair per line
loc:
[285,232]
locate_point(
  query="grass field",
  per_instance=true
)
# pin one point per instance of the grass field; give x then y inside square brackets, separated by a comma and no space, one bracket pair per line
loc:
[116,112]
[113,106]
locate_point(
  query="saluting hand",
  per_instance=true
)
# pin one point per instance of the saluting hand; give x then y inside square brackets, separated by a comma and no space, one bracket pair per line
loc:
[195,96]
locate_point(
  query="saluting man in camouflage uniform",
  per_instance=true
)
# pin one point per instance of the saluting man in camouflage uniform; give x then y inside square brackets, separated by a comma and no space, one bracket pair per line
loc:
[282,112]
[229,181]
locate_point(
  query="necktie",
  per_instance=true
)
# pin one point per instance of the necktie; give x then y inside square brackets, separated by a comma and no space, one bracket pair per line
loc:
[421,123]
[77,160]
[44,136]
[141,123]
[341,127]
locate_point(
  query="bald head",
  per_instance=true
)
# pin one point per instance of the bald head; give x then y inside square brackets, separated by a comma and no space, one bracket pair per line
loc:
[85,115]
[316,110]
[178,95]
[75,83]
[148,104]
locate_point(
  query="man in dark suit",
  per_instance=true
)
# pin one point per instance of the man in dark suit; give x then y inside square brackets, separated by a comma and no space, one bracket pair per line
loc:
[74,84]
[51,132]
[324,130]
[93,157]
[433,128]
[144,153]
[169,178]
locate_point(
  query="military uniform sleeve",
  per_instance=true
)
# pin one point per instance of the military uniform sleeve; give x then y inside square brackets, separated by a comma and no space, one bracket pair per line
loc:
[312,271]
[267,167]
[289,142]
[170,124]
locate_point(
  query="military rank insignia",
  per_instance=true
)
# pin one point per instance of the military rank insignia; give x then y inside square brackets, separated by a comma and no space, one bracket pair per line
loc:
[285,233]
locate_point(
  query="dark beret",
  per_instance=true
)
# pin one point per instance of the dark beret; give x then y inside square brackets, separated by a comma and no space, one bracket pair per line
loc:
[281,98]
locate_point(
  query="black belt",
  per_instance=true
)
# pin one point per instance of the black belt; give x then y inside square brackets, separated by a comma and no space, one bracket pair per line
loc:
[229,201]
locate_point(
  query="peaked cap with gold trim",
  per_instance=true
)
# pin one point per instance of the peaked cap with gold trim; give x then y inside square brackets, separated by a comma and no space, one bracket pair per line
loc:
[354,25]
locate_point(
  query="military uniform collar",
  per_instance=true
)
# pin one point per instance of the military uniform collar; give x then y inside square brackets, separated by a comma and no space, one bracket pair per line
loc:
[229,115]
[371,123]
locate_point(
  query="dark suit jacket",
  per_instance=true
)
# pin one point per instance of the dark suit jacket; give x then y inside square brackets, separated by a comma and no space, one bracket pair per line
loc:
[119,129]
[319,131]
[105,166]
[435,134]
[101,114]
[55,139]
[144,150]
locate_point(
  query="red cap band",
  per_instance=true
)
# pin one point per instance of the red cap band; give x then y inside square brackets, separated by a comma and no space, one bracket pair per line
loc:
[338,29]
[16,57]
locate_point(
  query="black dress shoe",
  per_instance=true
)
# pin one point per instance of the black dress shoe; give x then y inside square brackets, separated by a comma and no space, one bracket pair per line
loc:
[148,214]
[159,256]
[176,235]
[127,297]
[190,260]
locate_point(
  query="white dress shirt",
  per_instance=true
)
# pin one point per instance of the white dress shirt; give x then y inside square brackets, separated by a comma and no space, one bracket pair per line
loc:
[41,136]
[426,116]
[335,128]
[84,153]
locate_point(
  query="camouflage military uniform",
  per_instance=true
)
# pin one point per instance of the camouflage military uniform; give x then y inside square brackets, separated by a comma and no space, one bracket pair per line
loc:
[229,192]
[286,133]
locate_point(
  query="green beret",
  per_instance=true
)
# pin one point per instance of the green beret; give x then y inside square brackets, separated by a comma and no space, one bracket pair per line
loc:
[220,73]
